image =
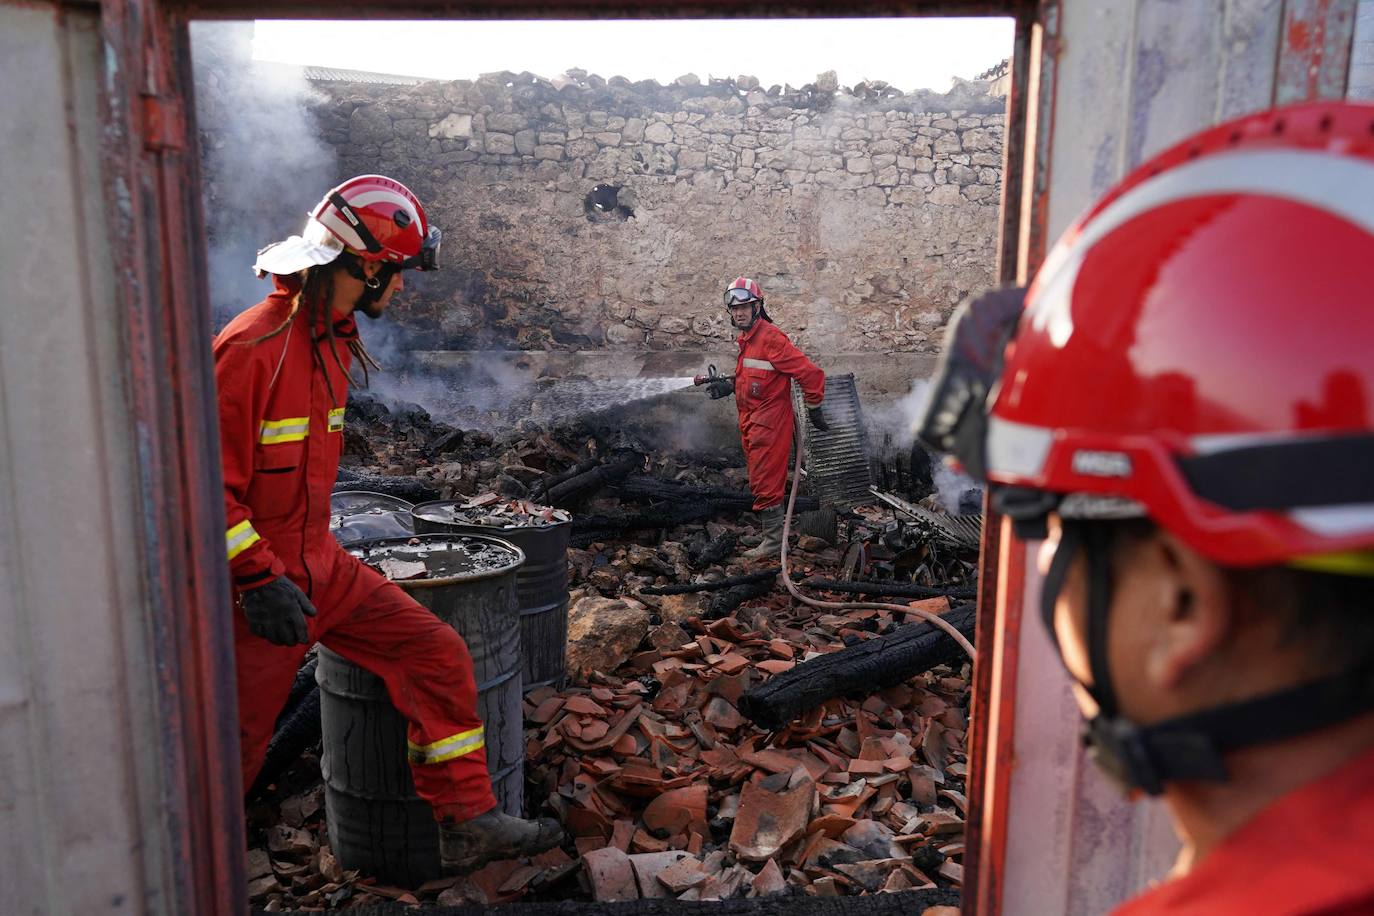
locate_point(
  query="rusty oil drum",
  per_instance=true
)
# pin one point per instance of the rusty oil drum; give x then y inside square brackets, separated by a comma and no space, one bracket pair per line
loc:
[542,583]
[376,821]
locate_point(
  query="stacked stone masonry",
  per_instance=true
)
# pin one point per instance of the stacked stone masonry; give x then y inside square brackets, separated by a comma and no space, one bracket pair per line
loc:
[865,213]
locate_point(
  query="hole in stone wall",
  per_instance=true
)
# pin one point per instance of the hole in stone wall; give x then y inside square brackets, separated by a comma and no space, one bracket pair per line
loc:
[603,202]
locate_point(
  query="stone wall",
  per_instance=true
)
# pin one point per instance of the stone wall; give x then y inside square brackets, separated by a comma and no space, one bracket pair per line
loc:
[865,213]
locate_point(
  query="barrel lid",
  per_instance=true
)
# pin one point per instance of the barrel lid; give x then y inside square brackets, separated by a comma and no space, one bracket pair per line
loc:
[353,501]
[358,515]
[448,559]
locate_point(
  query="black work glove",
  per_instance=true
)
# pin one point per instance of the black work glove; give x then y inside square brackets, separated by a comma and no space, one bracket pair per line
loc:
[720,388]
[277,611]
[817,417]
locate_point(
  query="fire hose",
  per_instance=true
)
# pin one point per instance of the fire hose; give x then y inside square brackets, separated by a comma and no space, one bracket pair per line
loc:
[933,619]
[719,382]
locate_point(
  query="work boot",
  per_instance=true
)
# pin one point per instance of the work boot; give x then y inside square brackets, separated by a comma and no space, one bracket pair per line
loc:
[771,545]
[465,846]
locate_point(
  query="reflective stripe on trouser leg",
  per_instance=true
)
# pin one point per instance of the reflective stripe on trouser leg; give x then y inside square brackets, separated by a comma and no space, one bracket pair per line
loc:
[446,748]
[429,678]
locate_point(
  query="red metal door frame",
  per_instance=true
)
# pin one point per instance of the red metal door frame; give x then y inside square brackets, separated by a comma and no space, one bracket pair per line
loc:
[152,168]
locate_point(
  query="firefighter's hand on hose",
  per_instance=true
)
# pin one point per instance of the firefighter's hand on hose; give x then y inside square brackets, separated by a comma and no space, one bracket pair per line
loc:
[720,388]
[277,611]
[817,417]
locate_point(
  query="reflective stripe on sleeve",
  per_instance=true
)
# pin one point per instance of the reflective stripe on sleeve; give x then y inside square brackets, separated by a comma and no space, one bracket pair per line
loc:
[336,419]
[758,364]
[448,748]
[292,429]
[240,537]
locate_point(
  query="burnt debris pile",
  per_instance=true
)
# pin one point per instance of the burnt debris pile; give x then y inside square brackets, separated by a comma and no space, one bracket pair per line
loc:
[713,738]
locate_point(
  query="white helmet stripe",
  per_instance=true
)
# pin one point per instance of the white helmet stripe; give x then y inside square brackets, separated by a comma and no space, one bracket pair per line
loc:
[381,195]
[1341,185]
[332,220]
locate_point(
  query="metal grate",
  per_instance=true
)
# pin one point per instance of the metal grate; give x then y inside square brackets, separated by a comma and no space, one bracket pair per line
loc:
[837,467]
[958,530]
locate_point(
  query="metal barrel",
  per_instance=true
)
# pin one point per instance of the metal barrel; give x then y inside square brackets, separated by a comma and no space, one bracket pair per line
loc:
[542,583]
[376,821]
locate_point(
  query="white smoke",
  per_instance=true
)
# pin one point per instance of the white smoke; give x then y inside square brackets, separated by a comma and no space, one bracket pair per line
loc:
[900,420]
[264,165]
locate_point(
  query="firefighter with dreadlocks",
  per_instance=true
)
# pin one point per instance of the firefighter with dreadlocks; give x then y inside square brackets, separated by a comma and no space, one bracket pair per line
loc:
[282,369]
[768,363]
[1183,410]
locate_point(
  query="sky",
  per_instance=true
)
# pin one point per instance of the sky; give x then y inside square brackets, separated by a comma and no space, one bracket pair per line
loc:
[907,53]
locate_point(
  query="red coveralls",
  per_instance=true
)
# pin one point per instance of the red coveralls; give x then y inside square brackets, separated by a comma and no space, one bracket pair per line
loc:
[1311,853]
[763,395]
[281,433]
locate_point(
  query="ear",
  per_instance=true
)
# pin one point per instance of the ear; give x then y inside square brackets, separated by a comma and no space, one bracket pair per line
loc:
[1194,617]
[370,268]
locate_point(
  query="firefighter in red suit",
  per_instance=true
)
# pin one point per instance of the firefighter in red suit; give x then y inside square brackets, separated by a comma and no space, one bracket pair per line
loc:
[282,369]
[767,364]
[1183,410]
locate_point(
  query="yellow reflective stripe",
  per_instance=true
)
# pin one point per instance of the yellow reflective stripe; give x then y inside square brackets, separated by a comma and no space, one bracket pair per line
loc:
[751,363]
[336,419]
[239,538]
[447,748]
[292,429]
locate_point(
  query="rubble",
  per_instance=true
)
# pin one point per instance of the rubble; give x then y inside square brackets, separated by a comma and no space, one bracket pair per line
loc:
[649,757]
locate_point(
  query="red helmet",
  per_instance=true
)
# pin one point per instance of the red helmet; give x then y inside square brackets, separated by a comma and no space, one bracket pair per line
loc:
[375,217]
[1201,345]
[742,289]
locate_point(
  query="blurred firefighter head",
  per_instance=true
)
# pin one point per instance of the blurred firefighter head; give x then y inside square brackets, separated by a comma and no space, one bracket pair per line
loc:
[1182,410]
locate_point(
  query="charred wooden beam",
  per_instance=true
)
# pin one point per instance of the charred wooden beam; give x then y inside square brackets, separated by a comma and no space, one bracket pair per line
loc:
[549,481]
[767,575]
[589,483]
[884,661]
[655,489]
[890,589]
[716,551]
[411,489]
[722,603]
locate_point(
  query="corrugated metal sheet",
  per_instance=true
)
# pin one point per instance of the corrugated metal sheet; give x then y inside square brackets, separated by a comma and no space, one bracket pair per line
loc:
[337,75]
[837,460]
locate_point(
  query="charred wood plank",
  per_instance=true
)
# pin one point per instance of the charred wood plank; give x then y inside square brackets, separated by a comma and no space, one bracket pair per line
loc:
[411,489]
[722,603]
[860,670]
[716,585]
[549,481]
[575,489]
[890,589]
[300,731]
[653,489]
[717,551]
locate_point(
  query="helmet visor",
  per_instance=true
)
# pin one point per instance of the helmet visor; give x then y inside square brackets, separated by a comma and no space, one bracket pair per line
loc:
[428,258]
[739,296]
[956,420]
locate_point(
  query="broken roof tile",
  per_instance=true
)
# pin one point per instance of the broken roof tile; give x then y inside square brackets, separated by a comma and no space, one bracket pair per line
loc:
[767,821]
[611,875]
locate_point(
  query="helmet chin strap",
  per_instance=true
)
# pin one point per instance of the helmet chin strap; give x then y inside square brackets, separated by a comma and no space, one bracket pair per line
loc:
[1190,747]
